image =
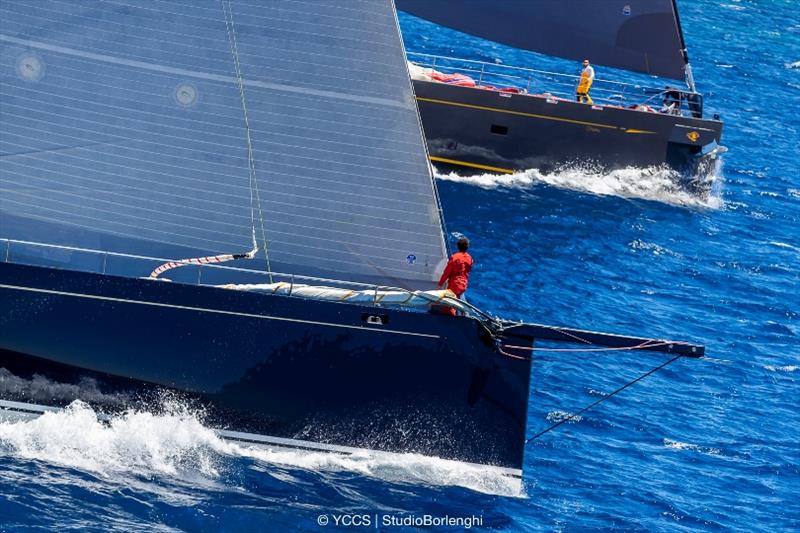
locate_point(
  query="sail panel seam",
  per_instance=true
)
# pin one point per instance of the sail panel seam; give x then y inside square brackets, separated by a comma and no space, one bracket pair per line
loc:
[202,75]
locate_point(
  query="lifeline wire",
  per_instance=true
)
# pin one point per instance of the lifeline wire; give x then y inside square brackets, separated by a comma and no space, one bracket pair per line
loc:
[601,400]
[250,159]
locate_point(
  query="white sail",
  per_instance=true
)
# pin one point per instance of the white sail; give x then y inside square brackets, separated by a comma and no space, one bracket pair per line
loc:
[173,127]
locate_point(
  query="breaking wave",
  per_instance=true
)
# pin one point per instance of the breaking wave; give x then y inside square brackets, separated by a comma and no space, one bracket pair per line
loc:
[793,65]
[177,444]
[658,184]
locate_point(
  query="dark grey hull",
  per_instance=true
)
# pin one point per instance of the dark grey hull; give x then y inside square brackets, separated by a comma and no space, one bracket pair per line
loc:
[477,130]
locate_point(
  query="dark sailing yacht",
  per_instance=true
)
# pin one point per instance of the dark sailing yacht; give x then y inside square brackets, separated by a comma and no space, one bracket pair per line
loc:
[143,145]
[486,117]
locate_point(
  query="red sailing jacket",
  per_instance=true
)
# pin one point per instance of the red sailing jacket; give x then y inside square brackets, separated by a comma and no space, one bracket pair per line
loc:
[456,273]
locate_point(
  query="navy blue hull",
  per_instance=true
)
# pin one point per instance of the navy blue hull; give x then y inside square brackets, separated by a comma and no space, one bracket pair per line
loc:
[475,130]
[265,364]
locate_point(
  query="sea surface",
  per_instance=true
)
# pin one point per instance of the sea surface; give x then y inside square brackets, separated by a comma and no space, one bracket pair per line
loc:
[703,445]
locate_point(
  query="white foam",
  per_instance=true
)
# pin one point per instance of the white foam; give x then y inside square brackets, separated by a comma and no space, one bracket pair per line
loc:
[404,468]
[733,7]
[177,444]
[793,65]
[677,445]
[558,416]
[653,248]
[658,184]
[787,368]
[137,442]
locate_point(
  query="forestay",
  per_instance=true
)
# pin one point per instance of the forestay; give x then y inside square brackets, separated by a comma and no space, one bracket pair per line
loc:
[123,127]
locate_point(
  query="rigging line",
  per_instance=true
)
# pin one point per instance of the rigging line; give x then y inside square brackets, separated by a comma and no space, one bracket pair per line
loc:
[645,344]
[231,30]
[566,333]
[601,400]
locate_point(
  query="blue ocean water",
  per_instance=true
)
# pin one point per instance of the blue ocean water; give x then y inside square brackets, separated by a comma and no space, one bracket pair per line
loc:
[711,444]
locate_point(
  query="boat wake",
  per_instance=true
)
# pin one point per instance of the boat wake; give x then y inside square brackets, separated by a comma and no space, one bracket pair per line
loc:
[177,444]
[657,184]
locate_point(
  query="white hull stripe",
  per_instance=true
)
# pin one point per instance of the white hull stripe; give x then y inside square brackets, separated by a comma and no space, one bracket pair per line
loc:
[28,411]
[217,311]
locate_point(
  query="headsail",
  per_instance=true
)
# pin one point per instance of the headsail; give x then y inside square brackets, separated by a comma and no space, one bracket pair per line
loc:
[638,35]
[123,129]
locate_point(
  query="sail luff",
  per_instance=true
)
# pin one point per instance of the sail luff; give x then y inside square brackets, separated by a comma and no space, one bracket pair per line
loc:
[688,75]
[434,189]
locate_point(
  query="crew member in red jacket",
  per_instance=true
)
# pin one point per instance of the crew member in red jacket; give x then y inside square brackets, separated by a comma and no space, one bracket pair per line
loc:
[456,273]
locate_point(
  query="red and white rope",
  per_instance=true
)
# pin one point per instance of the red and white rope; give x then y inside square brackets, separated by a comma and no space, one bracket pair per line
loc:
[201,261]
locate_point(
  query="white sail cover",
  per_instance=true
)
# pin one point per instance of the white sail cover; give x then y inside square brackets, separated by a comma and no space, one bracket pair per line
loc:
[122,127]
[425,299]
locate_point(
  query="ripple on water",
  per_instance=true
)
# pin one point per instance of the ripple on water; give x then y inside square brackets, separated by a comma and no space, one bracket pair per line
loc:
[785,368]
[677,445]
[653,248]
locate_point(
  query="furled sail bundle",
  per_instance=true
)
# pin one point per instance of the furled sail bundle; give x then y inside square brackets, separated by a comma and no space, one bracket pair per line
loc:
[422,299]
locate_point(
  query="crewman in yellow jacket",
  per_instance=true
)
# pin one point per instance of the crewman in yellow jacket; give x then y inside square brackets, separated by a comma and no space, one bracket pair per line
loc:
[587,77]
